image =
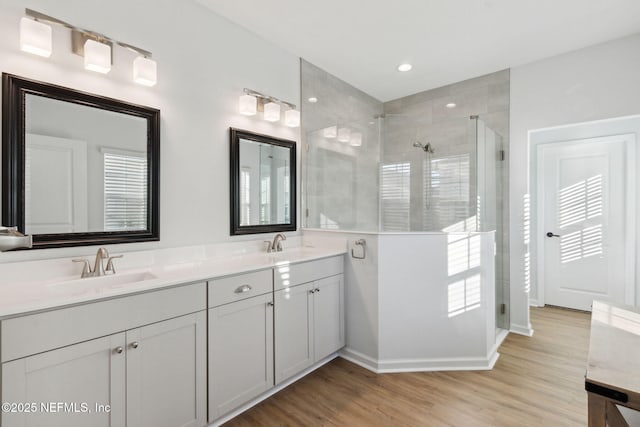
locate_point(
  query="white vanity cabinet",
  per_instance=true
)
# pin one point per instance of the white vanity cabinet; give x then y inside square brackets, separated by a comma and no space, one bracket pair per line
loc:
[309,314]
[240,340]
[147,368]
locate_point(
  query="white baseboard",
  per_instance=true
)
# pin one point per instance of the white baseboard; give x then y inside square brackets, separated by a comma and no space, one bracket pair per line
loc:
[421,365]
[359,359]
[521,330]
[535,303]
[271,392]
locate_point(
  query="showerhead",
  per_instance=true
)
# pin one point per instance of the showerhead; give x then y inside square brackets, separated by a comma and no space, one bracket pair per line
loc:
[426,148]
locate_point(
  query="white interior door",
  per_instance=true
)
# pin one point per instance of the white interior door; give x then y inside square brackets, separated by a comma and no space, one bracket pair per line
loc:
[585,194]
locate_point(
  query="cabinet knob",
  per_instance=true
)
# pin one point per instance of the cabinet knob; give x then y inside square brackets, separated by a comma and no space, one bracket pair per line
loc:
[119,349]
[269,304]
[317,289]
[312,291]
[135,344]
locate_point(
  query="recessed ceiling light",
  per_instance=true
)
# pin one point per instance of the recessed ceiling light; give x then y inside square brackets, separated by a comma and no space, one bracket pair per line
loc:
[405,67]
[451,105]
[313,100]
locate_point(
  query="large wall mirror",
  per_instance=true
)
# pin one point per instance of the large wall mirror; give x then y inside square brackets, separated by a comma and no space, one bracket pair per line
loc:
[78,169]
[263,183]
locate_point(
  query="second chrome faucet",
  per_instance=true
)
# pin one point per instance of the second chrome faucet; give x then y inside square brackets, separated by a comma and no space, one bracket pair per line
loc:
[276,245]
[98,268]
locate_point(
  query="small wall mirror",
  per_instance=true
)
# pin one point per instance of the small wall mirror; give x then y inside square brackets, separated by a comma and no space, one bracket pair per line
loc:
[263,183]
[78,169]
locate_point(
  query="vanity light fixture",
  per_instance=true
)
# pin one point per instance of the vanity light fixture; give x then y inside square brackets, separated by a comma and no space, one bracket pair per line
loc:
[330,132]
[356,139]
[253,101]
[97,56]
[36,37]
[344,134]
[292,118]
[145,71]
[248,105]
[272,112]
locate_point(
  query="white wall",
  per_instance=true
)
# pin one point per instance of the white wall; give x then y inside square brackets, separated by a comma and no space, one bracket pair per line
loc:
[204,62]
[594,83]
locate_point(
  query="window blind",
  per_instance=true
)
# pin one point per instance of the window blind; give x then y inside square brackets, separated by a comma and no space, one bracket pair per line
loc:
[125,192]
[395,195]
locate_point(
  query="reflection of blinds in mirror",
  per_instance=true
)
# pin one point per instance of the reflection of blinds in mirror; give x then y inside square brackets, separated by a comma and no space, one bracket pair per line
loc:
[125,192]
[395,194]
[245,195]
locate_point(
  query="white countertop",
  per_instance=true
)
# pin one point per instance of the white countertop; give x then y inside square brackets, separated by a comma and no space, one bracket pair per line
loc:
[22,297]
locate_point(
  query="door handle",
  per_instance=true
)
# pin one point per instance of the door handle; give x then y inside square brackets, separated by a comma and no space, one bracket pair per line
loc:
[550,234]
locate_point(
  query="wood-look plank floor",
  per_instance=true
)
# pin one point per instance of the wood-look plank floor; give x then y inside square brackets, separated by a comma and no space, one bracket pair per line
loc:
[537,381]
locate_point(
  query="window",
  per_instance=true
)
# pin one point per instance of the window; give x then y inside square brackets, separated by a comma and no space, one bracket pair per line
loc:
[395,195]
[125,191]
[446,200]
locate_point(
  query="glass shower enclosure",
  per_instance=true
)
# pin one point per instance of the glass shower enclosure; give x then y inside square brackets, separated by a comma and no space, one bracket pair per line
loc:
[401,175]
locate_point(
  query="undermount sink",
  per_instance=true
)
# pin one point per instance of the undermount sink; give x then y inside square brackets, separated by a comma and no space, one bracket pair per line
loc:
[102,282]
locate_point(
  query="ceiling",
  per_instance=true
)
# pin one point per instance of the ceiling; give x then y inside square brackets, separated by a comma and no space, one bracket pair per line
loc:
[363,41]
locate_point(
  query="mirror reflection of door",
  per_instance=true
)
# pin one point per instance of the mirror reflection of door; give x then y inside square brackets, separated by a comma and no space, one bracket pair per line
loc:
[55,185]
[264,184]
[86,168]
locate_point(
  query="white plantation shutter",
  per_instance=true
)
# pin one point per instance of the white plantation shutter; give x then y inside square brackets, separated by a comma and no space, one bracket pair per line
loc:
[395,195]
[125,191]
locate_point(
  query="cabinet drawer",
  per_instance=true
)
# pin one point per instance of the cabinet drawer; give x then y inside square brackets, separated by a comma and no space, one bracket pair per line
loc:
[36,333]
[285,276]
[239,287]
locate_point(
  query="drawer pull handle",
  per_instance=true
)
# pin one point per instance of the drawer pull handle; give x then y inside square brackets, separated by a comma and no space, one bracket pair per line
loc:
[242,289]
[119,349]
[135,344]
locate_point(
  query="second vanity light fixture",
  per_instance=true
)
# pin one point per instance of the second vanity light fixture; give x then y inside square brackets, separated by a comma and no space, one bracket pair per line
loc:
[251,100]
[36,37]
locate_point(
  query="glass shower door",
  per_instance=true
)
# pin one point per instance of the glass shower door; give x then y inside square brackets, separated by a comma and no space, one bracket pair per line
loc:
[490,156]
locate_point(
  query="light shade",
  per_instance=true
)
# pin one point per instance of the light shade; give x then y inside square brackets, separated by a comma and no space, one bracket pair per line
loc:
[35,37]
[97,56]
[292,118]
[145,71]
[272,112]
[248,105]
[344,134]
[356,139]
[330,132]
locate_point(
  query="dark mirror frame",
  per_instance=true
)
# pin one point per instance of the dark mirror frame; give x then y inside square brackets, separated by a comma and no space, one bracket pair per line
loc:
[236,229]
[14,91]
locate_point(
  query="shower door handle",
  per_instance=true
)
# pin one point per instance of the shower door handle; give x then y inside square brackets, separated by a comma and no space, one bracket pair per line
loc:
[550,234]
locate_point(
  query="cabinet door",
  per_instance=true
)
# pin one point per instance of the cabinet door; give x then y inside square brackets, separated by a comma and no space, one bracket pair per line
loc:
[240,353]
[328,316]
[79,385]
[166,373]
[293,330]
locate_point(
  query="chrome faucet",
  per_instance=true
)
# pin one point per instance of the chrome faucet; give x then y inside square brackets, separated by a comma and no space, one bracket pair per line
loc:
[276,245]
[98,268]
